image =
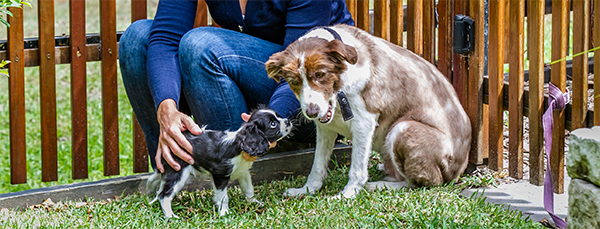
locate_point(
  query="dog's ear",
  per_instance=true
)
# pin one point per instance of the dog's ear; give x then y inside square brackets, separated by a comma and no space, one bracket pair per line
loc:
[341,51]
[254,141]
[275,64]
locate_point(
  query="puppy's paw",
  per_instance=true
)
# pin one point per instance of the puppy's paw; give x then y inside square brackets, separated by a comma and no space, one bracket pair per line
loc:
[294,192]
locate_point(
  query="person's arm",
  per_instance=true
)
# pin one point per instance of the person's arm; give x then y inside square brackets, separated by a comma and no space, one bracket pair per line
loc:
[173,19]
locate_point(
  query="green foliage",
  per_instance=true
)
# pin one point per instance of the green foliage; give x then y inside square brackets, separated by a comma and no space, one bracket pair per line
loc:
[5,4]
[4,71]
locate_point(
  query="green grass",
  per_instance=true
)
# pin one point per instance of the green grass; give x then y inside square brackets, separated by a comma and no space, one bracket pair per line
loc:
[438,207]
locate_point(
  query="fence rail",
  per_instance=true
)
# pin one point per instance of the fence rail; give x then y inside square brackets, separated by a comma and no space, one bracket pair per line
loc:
[419,18]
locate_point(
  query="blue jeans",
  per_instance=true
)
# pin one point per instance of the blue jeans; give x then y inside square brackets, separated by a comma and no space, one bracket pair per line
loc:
[223,75]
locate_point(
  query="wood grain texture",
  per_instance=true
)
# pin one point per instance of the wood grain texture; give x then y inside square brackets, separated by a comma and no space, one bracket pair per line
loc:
[139,10]
[396,22]
[535,47]
[558,77]
[110,119]
[140,150]
[429,30]
[362,15]
[581,19]
[496,83]
[459,62]
[516,81]
[475,81]
[47,90]
[444,63]
[381,19]
[351,5]
[16,97]
[597,66]
[414,30]
[78,90]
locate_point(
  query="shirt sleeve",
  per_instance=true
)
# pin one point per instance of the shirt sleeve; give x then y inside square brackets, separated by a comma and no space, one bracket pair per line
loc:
[173,19]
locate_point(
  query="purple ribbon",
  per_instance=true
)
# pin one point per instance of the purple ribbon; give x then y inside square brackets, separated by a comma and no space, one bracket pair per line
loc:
[556,101]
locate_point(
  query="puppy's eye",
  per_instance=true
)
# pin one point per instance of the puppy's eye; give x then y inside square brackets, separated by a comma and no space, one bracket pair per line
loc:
[319,75]
[273,124]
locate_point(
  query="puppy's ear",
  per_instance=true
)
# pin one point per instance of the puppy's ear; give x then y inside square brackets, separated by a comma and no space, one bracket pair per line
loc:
[275,64]
[254,141]
[341,51]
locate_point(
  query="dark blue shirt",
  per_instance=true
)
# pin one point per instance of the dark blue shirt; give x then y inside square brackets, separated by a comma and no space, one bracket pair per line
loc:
[280,22]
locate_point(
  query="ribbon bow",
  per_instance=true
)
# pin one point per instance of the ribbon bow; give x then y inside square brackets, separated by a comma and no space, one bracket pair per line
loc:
[556,101]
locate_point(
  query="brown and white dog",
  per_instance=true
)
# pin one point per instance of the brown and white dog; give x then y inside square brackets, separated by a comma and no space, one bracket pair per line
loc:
[383,97]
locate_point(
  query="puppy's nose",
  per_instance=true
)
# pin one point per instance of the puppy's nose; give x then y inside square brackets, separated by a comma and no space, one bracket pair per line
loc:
[312,111]
[287,122]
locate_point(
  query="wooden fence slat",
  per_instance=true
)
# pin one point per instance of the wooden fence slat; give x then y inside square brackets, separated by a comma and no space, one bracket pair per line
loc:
[16,92]
[429,30]
[535,47]
[78,90]
[516,81]
[475,81]
[47,90]
[351,6]
[459,62]
[110,120]
[597,66]
[414,32]
[496,83]
[362,15]
[560,27]
[201,14]
[444,63]
[62,53]
[580,63]
[381,19]
[396,22]
[140,150]
[139,10]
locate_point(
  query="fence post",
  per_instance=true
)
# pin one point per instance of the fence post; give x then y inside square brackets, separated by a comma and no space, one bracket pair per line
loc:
[560,27]
[535,51]
[362,15]
[515,95]
[414,31]
[445,12]
[580,63]
[16,70]
[78,90]
[396,22]
[110,119]
[475,82]
[139,10]
[381,19]
[47,90]
[496,83]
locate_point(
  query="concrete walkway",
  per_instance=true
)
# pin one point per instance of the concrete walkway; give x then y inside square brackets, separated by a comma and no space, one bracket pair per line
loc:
[526,198]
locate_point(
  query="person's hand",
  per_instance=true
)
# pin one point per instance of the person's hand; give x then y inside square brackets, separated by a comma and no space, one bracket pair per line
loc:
[172,123]
[246,117]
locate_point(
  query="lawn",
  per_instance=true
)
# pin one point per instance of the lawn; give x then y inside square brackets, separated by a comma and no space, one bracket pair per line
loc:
[438,207]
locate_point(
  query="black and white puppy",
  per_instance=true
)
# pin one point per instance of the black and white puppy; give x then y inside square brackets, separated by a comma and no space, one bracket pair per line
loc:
[224,155]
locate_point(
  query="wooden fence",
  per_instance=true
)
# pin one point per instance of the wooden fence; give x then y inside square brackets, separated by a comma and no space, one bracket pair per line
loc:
[466,72]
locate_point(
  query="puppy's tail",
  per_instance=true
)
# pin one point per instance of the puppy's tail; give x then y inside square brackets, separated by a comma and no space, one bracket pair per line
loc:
[153,182]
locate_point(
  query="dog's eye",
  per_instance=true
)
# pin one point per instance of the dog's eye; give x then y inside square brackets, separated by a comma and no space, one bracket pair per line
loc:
[319,75]
[273,124]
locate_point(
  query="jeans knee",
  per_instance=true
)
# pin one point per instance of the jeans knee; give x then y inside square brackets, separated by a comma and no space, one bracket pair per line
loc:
[135,36]
[199,44]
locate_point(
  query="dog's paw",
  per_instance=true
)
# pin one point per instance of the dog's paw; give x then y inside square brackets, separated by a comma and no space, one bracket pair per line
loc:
[386,185]
[255,201]
[294,192]
[223,211]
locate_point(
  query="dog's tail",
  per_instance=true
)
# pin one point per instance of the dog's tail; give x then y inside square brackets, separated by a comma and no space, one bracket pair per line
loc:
[153,182]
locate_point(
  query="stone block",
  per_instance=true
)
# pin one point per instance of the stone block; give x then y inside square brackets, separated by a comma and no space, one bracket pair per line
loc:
[583,159]
[584,205]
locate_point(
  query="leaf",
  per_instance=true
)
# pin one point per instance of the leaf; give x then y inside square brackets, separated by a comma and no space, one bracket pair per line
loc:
[4,22]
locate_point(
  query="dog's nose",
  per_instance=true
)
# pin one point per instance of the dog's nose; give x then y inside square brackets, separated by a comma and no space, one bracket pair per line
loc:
[287,122]
[312,111]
